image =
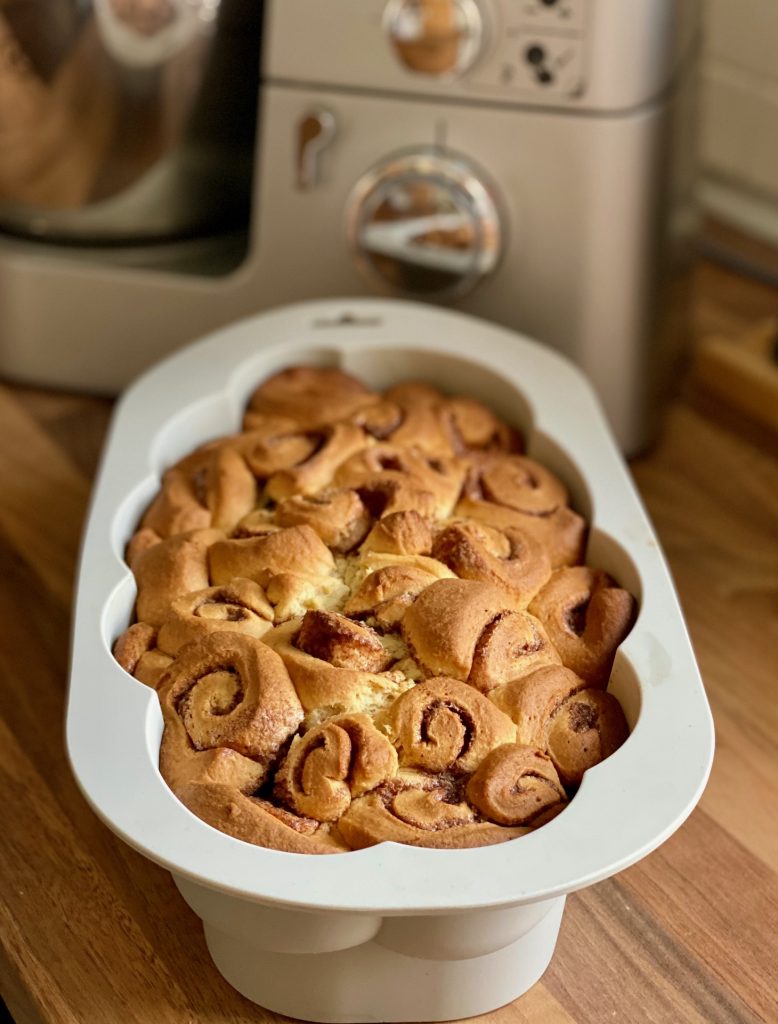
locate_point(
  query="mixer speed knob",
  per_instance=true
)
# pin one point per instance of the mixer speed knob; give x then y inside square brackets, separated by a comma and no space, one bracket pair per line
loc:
[425,222]
[442,38]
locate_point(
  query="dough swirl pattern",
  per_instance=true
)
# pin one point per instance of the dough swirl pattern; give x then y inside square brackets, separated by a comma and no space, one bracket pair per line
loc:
[367,619]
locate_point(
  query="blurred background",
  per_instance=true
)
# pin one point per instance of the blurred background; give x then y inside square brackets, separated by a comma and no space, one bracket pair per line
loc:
[567,168]
[739,115]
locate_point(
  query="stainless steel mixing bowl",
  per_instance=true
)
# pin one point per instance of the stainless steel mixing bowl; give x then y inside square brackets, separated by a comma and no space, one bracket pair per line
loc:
[127,121]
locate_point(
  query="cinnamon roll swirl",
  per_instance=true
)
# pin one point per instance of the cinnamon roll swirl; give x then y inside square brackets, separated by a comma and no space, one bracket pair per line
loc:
[515,481]
[379,419]
[239,606]
[586,615]
[403,478]
[473,427]
[400,533]
[228,706]
[338,443]
[516,785]
[533,700]
[444,725]
[311,395]
[213,487]
[511,559]
[512,645]
[351,612]
[465,629]
[257,821]
[443,426]
[339,517]
[170,569]
[561,532]
[420,810]
[589,727]
[276,443]
[343,758]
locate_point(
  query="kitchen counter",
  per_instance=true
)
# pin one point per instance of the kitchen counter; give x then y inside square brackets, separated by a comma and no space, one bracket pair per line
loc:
[92,932]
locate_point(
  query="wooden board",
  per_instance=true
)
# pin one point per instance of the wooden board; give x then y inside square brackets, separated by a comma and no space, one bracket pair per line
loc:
[741,370]
[92,932]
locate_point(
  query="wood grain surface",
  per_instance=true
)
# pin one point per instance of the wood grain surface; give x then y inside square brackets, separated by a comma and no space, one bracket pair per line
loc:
[92,932]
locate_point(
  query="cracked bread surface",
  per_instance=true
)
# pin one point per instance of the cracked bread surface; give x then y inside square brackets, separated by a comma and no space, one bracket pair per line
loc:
[367,619]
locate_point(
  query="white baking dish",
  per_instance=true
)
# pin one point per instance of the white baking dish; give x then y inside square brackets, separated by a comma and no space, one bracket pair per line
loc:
[393,932]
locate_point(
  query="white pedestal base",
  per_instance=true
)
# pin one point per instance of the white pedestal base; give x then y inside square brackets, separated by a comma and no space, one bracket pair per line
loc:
[370,982]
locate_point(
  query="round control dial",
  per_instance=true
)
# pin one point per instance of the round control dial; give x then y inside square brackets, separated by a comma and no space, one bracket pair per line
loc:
[425,223]
[435,37]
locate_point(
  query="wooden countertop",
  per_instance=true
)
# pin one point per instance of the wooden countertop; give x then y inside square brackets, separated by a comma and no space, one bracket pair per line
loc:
[92,932]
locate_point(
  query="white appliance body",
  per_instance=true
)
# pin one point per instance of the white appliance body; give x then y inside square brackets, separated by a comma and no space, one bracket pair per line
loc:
[573,153]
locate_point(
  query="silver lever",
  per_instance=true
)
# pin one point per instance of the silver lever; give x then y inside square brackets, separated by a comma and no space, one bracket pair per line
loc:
[315,131]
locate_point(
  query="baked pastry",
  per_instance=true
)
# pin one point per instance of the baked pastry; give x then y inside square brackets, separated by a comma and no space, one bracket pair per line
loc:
[516,785]
[367,620]
[587,615]
[444,725]
[511,558]
[331,764]
[212,487]
[421,810]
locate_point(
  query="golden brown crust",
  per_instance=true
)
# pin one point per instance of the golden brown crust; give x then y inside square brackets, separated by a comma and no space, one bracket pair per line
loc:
[533,700]
[400,533]
[322,685]
[170,569]
[511,645]
[176,508]
[561,532]
[134,642]
[422,423]
[152,667]
[274,443]
[516,785]
[419,810]
[395,479]
[312,396]
[589,727]
[257,821]
[257,523]
[140,541]
[378,419]
[516,482]
[385,595]
[444,624]
[341,642]
[414,647]
[239,606]
[586,615]
[511,559]
[226,690]
[323,770]
[475,427]
[297,549]
[213,487]
[339,517]
[444,725]
[338,443]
